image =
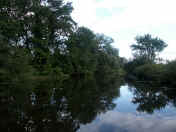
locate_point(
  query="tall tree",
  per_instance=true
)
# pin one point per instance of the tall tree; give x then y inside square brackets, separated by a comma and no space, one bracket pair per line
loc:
[148,47]
[82,50]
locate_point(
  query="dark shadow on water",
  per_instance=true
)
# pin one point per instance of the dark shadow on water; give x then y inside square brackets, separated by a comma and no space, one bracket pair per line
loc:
[52,107]
[56,107]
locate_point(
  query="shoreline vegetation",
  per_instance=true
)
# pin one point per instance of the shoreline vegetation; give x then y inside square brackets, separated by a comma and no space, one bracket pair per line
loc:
[48,64]
[147,66]
[54,75]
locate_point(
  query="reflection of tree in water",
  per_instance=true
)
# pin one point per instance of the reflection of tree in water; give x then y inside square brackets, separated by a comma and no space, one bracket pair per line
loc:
[171,94]
[150,96]
[76,101]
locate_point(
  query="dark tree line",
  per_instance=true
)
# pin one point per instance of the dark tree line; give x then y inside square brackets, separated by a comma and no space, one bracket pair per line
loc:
[54,75]
[39,40]
[147,65]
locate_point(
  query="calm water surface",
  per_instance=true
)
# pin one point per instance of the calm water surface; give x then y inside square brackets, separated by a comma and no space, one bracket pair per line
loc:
[137,111]
[89,105]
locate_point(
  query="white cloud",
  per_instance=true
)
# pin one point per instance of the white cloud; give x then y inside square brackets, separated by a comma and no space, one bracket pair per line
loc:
[126,122]
[129,18]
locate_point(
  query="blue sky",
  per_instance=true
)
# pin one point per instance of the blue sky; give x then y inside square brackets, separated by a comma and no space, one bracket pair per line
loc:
[124,19]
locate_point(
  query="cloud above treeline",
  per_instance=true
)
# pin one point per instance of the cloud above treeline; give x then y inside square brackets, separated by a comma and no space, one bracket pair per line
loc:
[124,19]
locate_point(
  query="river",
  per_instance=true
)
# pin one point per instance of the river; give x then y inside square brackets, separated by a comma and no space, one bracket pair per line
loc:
[130,114]
[89,105]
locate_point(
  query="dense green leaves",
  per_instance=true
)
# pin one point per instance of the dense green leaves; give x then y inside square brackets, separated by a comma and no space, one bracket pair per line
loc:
[148,47]
[145,66]
[50,69]
[150,72]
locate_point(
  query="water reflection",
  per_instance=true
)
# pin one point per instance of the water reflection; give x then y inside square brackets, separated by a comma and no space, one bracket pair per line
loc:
[52,107]
[152,96]
[127,117]
[114,121]
[87,104]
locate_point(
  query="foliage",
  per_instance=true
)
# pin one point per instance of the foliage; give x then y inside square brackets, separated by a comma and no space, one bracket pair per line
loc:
[149,72]
[130,65]
[45,61]
[162,73]
[144,65]
[169,74]
[148,47]
[82,51]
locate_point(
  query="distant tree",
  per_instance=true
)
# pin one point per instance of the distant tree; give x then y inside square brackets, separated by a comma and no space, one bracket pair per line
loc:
[148,47]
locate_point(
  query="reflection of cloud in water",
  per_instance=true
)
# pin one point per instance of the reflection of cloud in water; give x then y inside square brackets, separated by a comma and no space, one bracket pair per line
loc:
[114,121]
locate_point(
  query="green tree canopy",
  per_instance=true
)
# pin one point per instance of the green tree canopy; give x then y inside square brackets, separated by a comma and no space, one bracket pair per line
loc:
[45,61]
[148,47]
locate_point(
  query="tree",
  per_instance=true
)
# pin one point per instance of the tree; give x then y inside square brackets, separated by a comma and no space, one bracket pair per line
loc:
[82,50]
[108,61]
[147,47]
[45,61]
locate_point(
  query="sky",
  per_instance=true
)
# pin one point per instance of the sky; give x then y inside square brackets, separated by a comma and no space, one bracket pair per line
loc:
[123,20]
